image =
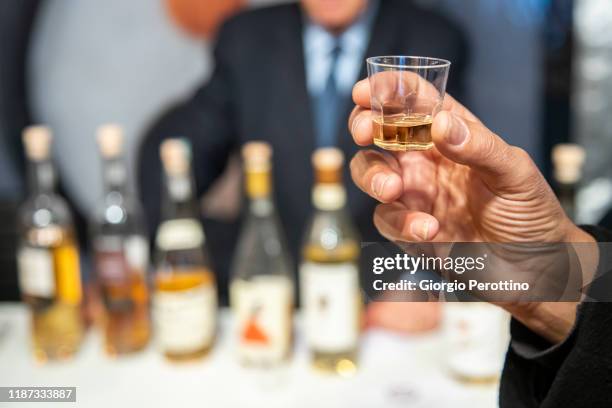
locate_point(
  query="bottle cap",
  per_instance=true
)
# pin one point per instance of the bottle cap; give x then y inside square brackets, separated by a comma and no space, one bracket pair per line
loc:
[257,156]
[175,155]
[110,140]
[328,163]
[568,160]
[37,142]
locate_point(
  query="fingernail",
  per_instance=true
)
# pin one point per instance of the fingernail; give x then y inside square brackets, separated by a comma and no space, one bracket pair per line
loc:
[420,229]
[378,184]
[356,122]
[457,131]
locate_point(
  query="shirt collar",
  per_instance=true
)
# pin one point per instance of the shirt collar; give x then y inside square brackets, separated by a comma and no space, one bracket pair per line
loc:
[318,39]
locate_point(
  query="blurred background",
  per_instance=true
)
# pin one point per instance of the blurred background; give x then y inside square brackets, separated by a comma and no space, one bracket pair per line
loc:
[537,72]
[75,66]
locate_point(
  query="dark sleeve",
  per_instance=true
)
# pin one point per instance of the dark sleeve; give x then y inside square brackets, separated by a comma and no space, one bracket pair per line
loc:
[576,372]
[206,120]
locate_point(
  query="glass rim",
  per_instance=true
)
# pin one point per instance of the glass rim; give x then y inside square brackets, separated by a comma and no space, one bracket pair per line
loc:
[373,61]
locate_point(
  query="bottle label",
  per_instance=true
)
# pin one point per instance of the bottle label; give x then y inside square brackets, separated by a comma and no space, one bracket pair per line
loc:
[67,262]
[263,310]
[331,305]
[116,258]
[477,338]
[137,253]
[185,320]
[36,276]
[179,234]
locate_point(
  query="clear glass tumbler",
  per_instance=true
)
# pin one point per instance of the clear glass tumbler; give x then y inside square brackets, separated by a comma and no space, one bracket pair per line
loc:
[406,94]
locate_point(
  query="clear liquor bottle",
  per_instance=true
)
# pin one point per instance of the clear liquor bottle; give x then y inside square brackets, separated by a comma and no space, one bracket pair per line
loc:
[48,257]
[185,295]
[476,339]
[261,289]
[329,274]
[120,252]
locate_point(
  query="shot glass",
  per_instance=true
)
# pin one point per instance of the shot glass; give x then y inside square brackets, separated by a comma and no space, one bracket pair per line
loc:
[406,93]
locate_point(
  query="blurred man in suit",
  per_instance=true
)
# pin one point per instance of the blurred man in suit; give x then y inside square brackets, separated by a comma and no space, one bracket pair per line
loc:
[303,59]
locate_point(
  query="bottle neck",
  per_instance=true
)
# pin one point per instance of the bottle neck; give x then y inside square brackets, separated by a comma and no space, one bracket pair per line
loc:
[259,192]
[179,201]
[115,176]
[41,176]
[328,196]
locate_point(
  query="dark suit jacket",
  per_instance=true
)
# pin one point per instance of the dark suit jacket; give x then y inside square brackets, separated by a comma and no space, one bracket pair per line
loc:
[15,23]
[258,91]
[574,373]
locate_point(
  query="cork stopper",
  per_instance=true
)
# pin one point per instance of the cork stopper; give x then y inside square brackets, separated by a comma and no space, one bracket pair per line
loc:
[327,163]
[175,155]
[568,160]
[257,158]
[37,142]
[110,140]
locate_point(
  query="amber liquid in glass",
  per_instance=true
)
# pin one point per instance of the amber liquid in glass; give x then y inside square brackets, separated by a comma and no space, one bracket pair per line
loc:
[402,132]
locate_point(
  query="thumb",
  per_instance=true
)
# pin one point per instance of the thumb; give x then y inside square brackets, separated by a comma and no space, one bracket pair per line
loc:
[500,165]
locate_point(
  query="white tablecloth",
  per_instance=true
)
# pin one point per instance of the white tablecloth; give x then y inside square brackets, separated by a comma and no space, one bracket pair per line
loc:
[394,371]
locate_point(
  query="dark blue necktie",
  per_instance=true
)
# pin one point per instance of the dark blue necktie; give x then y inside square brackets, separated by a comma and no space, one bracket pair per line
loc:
[327,106]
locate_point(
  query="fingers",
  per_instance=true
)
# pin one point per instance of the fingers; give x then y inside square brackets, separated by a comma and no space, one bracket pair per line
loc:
[396,223]
[361,93]
[472,144]
[377,174]
[360,126]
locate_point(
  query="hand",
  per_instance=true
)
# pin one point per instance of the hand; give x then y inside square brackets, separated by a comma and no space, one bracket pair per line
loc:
[420,316]
[472,186]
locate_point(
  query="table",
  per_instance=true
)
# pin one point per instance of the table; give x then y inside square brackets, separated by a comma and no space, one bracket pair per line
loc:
[395,371]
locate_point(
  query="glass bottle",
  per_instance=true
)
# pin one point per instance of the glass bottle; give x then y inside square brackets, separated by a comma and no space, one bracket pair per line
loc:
[120,252]
[476,339]
[261,289]
[568,160]
[329,273]
[185,295]
[48,257]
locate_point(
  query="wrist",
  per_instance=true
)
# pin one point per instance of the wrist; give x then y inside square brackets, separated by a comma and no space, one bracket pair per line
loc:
[552,321]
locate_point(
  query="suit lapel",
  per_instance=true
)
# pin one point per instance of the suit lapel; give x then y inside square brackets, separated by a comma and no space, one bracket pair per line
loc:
[382,40]
[292,85]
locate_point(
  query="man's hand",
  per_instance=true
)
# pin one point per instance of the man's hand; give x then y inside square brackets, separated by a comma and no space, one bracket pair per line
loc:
[472,186]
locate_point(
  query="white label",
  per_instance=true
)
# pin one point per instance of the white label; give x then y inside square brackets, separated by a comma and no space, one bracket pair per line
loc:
[477,338]
[185,320]
[137,253]
[179,234]
[36,276]
[330,299]
[262,309]
[328,196]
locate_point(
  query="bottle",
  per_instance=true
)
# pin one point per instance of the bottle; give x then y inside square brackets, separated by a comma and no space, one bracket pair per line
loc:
[120,253]
[476,336]
[261,288]
[329,273]
[48,258]
[568,160]
[185,295]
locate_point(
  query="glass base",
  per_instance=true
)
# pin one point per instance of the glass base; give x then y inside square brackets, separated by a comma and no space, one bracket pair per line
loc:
[343,363]
[403,147]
